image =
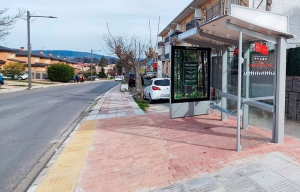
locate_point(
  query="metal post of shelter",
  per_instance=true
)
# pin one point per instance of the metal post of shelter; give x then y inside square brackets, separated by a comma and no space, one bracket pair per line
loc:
[278,132]
[224,81]
[239,94]
[246,84]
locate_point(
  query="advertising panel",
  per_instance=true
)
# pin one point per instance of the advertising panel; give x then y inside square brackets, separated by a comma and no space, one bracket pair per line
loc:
[190,74]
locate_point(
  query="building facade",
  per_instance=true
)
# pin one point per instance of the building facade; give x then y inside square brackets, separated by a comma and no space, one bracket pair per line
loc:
[39,61]
[199,12]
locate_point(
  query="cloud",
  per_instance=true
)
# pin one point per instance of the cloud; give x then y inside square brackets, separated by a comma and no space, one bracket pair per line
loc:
[81,24]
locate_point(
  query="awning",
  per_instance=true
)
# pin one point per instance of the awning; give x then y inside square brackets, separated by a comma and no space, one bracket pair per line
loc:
[2,62]
[255,25]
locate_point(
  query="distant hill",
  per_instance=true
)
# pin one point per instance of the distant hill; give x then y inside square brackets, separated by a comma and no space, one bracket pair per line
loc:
[72,54]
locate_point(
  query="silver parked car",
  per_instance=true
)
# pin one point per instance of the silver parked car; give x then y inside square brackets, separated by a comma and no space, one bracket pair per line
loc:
[150,75]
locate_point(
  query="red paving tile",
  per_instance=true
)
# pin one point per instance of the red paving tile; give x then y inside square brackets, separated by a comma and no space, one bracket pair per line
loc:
[154,151]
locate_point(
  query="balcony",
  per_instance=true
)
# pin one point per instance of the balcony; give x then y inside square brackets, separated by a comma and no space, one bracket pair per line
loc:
[175,33]
[217,9]
[167,56]
[161,53]
[167,39]
[192,24]
[160,44]
[161,57]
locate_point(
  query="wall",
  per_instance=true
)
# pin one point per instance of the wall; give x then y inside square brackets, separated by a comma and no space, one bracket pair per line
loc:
[286,7]
[292,98]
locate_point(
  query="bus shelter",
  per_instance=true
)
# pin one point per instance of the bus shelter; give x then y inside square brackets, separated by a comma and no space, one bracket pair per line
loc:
[245,72]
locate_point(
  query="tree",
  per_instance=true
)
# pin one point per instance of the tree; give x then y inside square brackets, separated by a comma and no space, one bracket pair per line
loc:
[60,72]
[113,60]
[132,53]
[111,72]
[7,22]
[119,68]
[13,69]
[102,62]
[102,73]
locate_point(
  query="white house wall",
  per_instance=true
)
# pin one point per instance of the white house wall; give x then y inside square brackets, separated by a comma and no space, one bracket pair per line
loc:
[286,7]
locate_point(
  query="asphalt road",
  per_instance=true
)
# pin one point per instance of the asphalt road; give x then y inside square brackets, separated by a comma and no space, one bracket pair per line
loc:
[31,122]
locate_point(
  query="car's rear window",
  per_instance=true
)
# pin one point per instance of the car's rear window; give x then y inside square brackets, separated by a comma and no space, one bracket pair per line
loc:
[163,82]
[131,75]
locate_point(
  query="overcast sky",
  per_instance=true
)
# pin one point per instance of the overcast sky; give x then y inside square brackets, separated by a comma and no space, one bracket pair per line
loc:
[80,25]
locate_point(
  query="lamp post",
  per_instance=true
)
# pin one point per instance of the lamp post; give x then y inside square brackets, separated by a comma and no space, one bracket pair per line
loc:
[29,46]
[92,63]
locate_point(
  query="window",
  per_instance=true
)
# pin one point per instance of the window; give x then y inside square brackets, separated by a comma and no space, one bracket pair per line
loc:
[11,55]
[165,82]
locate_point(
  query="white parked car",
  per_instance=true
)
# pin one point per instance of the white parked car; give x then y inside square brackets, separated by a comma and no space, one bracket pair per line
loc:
[23,77]
[119,78]
[20,77]
[156,89]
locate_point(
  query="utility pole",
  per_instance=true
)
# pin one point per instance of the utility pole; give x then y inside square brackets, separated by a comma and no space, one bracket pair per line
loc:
[29,45]
[91,63]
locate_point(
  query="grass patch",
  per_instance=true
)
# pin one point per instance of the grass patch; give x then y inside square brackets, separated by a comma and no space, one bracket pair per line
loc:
[142,104]
[2,88]
[43,83]
[35,82]
[20,85]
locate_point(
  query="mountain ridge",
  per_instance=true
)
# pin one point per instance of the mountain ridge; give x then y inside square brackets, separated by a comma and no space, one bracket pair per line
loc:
[72,54]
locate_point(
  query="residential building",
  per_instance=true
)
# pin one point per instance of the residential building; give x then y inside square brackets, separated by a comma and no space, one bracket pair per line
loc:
[8,55]
[39,61]
[200,12]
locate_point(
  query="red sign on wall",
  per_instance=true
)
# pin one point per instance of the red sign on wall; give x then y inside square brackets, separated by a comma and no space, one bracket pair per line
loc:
[154,65]
[260,48]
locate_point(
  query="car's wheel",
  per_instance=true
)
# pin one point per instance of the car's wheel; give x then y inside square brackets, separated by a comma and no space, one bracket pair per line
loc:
[150,99]
[19,78]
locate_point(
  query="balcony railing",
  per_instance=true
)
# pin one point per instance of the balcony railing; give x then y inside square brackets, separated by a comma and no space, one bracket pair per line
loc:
[217,9]
[167,39]
[167,56]
[175,33]
[213,12]
[192,24]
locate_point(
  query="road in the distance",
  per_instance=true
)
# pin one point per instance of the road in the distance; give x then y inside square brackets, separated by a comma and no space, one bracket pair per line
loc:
[32,121]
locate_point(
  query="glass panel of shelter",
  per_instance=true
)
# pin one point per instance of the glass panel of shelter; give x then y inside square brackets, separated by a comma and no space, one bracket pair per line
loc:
[258,71]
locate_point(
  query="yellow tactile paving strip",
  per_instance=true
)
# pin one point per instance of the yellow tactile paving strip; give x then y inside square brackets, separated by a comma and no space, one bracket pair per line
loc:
[64,174]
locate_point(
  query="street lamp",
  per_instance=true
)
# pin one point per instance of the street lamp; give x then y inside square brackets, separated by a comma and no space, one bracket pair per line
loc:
[29,47]
[91,63]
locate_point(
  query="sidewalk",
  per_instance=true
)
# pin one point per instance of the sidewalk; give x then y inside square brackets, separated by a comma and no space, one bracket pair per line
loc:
[120,148]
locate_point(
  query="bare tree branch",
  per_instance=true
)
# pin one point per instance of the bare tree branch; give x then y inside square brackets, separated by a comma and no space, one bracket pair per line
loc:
[7,22]
[132,52]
